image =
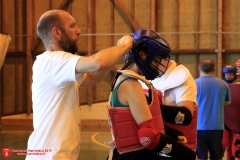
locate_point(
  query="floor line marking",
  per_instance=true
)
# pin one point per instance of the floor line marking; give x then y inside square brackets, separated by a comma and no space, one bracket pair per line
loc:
[95,141]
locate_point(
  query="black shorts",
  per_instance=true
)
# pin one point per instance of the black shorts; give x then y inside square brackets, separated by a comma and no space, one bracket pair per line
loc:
[209,141]
[139,155]
[136,155]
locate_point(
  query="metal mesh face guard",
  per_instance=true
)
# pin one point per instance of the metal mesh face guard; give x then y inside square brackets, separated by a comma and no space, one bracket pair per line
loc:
[157,53]
[229,69]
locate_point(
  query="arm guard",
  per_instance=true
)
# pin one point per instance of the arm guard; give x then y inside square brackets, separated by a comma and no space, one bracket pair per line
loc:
[176,114]
[173,133]
[151,138]
[170,147]
[148,135]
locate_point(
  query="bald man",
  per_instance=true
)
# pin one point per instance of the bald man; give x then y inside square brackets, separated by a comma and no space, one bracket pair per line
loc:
[212,94]
[57,74]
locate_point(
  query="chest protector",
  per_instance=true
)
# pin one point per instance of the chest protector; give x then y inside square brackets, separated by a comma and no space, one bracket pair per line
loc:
[232,111]
[123,126]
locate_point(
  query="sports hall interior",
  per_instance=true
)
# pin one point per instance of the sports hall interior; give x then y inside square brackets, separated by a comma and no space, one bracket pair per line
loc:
[194,29]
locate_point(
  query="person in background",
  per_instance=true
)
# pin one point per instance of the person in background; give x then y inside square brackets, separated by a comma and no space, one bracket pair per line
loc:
[212,94]
[237,64]
[231,134]
[134,115]
[229,74]
[57,74]
[179,92]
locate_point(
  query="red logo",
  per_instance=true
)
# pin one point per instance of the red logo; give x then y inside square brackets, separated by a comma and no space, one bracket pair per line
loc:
[6,152]
[145,141]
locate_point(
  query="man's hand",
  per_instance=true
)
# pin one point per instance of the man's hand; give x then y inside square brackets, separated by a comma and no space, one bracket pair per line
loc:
[182,140]
[126,40]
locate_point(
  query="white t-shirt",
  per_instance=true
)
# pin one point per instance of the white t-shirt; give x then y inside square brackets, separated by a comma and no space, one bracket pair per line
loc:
[176,85]
[56,112]
[185,92]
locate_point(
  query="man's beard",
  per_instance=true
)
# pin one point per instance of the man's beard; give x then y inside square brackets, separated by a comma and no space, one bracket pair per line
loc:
[68,45]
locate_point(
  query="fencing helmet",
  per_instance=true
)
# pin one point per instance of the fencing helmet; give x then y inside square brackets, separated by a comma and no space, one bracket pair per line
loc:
[155,47]
[229,69]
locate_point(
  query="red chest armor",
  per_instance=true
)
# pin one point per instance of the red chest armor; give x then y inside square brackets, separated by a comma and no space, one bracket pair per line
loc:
[125,129]
[232,111]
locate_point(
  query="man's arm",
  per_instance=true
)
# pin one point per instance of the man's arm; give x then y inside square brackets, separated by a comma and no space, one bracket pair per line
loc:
[100,64]
[93,78]
[104,59]
[227,102]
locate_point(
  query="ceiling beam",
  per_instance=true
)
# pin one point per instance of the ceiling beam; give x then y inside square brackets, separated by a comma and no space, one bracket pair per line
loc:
[127,14]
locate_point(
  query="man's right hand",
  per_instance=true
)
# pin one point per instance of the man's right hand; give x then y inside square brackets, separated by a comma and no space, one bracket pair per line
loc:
[128,40]
[182,140]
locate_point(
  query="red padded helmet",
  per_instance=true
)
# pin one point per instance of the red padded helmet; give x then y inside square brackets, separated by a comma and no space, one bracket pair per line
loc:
[237,63]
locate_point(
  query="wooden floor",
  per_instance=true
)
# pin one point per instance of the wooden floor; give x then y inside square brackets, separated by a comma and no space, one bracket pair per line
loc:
[92,141]
[15,131]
